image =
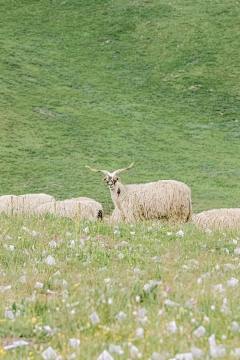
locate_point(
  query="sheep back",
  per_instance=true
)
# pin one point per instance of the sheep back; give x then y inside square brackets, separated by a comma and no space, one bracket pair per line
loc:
[167,200]
[12,204]
[91,210]
[218,218]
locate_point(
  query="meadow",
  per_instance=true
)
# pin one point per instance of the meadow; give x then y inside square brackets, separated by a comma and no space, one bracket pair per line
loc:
[135,291]
[104,83]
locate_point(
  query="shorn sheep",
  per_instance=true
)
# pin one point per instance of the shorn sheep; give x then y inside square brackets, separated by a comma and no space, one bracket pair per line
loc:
[167,200]
[218,218]
[12,204]
[82,208]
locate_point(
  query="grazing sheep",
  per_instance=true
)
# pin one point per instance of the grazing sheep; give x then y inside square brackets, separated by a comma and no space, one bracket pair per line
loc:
[12,204]
[218,218]
[165,199]
[78,207]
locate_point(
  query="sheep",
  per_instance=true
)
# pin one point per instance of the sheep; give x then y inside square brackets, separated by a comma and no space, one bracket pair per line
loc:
[165,199]
[218,218]
[78,207]
[12,204]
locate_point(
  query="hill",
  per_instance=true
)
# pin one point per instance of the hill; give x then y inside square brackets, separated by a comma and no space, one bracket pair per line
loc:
[105,83]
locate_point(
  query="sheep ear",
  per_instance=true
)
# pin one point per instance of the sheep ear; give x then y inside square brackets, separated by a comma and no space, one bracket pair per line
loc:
[104,178]
[118,178]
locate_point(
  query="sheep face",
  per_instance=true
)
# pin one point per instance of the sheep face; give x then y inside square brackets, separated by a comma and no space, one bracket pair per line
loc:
[111,180]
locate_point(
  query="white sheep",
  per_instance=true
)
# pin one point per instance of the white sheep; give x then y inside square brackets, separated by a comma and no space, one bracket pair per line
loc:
[82,208]
[218,218]
[165,199]
[12,204]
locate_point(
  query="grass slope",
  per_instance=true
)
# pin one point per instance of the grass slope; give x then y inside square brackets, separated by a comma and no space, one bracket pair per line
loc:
[103,83]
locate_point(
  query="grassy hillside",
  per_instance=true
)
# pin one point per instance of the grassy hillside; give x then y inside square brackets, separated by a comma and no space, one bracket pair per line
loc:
[103,83]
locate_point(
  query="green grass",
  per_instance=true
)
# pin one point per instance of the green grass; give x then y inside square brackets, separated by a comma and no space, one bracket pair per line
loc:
[105,83]
[173,261]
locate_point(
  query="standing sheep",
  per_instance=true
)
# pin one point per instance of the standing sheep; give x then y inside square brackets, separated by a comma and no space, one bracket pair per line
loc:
[218,218]
[164,199]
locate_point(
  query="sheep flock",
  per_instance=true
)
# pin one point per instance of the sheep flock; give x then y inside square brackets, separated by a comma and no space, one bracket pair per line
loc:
[164,200]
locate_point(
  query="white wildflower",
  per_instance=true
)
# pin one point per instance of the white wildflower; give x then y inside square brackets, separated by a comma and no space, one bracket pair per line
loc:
[38,285]
[103,269]
[50,260]
[208,231]
[121,316]
[171,327]
[121,256]
[52,243]
[105,356]
[235,326]
[132,232]
[169,233]
[140,332]
[197,353]
[94,318]
[23,279]
[206,318]
[74,343]
[219,288]
[180,233]
[116,348]
[235,242]
[70,234]
[49,354]
[200,331]
[170,303]
[9,315]
[184,356]
[232,282]
[16,344]
[138,271]
[229,267]
[237,251]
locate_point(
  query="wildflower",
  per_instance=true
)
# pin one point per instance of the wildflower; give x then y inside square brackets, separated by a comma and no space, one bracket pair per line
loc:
[200,331]
[74,343]
[94,318]
[169,288]
[55,236]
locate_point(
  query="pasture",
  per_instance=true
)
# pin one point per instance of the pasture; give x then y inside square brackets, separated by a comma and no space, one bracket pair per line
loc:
[151,286]
[104,83]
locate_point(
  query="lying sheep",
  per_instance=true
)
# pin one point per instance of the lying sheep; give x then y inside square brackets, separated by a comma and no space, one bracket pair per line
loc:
[11,204]
[78,207]
[164,199]
[218,218]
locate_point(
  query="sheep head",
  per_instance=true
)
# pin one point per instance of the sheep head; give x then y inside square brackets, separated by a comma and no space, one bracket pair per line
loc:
[111,178]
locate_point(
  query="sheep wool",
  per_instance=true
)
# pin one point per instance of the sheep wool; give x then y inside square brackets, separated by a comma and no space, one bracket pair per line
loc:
[166,200]
[218,218]
[75,208]
[12,204]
